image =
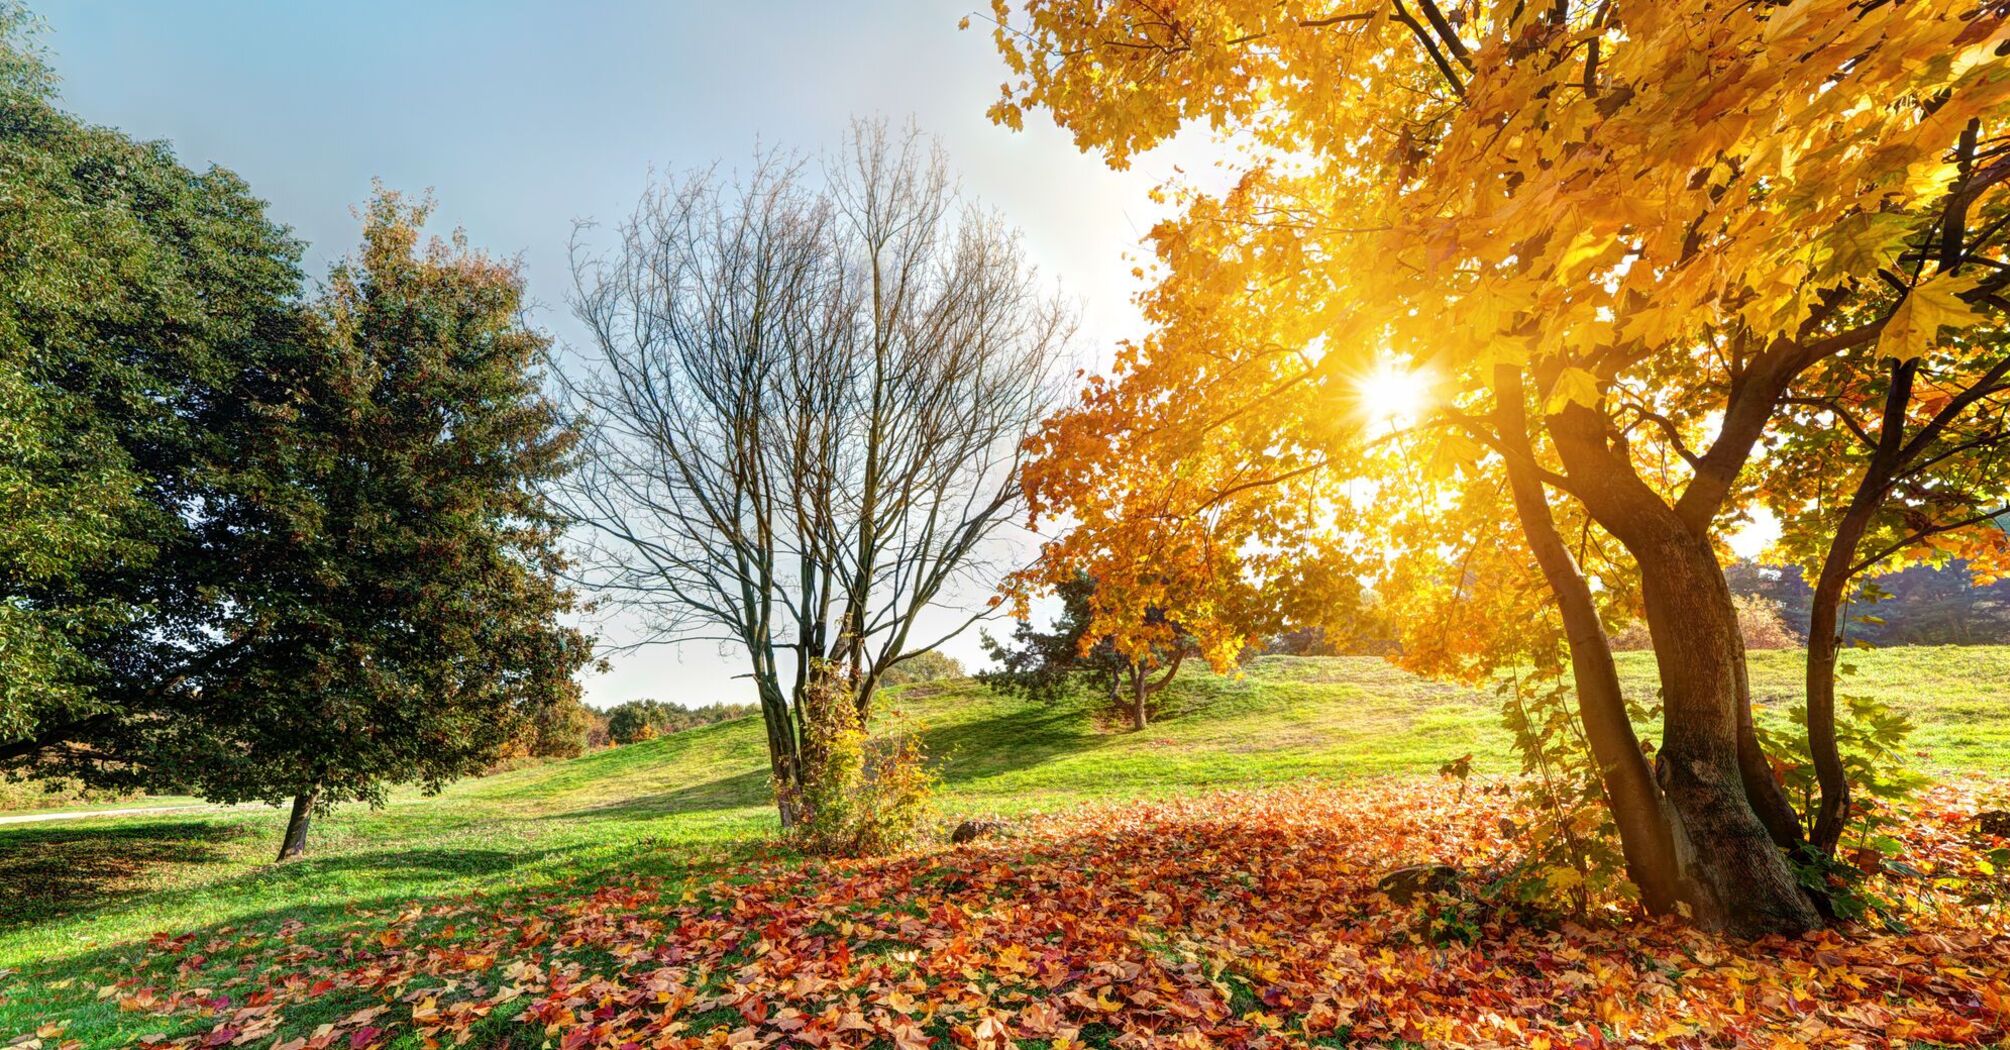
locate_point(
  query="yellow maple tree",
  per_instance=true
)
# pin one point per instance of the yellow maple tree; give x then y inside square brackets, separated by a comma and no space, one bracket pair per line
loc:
[1615,235]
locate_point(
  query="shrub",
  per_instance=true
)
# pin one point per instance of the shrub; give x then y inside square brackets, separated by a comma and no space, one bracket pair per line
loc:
[1761,622]
[627,723]
[560,730]
[859,796]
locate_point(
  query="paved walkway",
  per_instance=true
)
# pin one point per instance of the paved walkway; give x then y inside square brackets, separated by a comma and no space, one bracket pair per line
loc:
[79,814]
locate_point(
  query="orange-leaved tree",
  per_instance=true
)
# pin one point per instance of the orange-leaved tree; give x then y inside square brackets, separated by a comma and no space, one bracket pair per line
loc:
[1615,233]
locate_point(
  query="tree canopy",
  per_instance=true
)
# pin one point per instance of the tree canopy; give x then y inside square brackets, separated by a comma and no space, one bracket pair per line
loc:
[136,296]
[1610,239]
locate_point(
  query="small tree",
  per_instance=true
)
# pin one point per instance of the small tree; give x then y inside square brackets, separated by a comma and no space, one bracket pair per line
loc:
[931,666]
[1044,665]
[398,611]
[806,415]
[637,720]
[558,731]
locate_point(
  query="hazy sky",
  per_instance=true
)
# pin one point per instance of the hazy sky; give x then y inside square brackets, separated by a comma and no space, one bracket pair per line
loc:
[523,118]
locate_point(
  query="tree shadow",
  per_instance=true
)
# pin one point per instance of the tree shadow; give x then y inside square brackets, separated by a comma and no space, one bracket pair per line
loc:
[47,872]
[732,792]
[404,865]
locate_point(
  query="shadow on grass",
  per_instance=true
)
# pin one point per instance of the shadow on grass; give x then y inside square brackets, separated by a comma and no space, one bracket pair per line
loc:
[49,872]
[733,792]
[1014,740]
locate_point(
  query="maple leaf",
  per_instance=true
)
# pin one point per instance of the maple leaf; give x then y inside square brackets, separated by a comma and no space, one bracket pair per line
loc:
[1573,386]
[1930,305]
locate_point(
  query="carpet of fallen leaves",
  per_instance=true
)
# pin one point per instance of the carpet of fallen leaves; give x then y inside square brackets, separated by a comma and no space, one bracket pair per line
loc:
[1233,919]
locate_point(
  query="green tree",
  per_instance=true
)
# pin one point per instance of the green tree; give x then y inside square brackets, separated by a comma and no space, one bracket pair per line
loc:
[933,665]
[399,619]
[637,720]
[136,297]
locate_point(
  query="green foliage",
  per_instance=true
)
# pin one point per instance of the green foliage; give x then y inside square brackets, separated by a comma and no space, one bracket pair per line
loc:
[1880,764]
[557,730]
[396,615]
[1875,741]
[138,300]
[637,720]
[1571,852]
[931,666]
[1046,665]
[858,796]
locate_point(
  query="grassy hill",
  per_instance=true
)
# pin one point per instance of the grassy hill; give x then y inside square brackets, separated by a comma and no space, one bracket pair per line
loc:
[74,895]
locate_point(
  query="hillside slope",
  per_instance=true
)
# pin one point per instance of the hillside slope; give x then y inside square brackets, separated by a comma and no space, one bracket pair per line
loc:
[77,894]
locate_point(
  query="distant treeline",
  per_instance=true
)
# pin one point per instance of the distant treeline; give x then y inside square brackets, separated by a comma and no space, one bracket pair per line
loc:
[1919,605]
[647,719]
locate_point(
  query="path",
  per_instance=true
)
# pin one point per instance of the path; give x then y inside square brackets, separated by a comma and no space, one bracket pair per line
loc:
[79,814]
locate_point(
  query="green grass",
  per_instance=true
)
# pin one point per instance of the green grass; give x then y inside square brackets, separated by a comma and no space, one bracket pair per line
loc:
[82,895]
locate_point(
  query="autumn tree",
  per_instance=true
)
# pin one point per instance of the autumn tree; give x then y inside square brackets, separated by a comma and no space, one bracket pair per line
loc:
[1903,463]
[806,406]
[1615,234]
[1044,665]
[398,611]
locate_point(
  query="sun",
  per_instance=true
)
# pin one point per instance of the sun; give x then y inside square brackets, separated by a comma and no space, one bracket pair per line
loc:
[1393,395]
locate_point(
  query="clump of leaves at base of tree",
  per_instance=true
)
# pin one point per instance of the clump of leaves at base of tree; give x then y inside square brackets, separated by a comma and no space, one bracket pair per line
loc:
[858,795]
[1872,738]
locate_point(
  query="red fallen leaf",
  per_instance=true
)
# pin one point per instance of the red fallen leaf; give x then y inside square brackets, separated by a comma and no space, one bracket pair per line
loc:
[363,1037]
[220,1035]
[1161,920]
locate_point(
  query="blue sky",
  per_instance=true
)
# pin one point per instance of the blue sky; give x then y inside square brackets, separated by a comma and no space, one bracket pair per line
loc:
[522,118]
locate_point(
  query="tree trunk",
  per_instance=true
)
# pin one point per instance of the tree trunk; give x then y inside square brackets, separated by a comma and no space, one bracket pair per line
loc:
[1741,882]
[1630,788]
[295,842]
[1140,717]
[785,759]
[1824,647]
[1824,611]
[1762,786]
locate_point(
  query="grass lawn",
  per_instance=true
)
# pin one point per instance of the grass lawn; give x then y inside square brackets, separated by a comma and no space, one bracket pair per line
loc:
[79,900]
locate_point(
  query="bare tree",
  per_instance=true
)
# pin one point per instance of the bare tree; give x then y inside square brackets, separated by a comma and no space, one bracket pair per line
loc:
[805,410]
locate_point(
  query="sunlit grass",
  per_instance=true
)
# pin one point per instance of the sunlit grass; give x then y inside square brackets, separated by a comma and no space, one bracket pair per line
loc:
[79,894]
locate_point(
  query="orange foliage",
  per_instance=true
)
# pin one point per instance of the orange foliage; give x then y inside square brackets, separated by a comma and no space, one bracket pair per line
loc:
[1236,919]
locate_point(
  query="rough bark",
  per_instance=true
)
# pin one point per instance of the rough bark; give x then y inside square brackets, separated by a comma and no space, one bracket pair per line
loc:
[1740,879]
[295,842]
[1140,717]
[1762,786]
[785,758]
[1736,879]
